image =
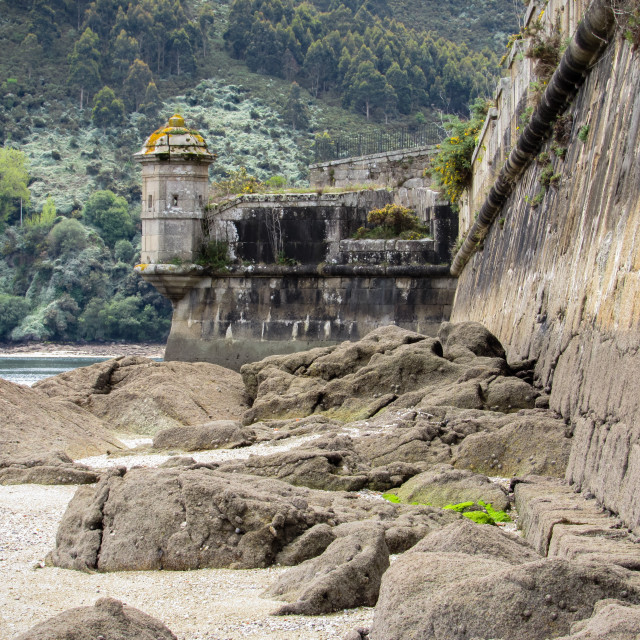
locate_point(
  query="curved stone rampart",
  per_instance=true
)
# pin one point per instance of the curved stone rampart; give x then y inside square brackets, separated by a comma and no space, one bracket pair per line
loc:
[559,278]
[591,37]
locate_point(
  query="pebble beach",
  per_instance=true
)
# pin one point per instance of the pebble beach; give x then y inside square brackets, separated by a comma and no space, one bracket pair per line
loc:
[208,604]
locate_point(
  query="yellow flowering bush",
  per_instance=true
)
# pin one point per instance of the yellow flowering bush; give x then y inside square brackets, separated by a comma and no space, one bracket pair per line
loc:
[393,221]
[238,182]
[451,166]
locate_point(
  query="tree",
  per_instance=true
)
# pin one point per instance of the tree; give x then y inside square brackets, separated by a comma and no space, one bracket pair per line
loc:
[12,310]
[43,22]
[110,214]
[68,236]
[43,221]
[125,51]
[14,178]
[368,89]
[264,52]
[390,102]
[135,85]
[206,18]
[84,73]
[317,64]
[182,51]
[295,111]
[399,80]
[107,109]
[30,52]
[123,251]
[237,34]
[152,101]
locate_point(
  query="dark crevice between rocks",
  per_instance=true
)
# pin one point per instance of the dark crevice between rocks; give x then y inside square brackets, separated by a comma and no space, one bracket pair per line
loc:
[101,502]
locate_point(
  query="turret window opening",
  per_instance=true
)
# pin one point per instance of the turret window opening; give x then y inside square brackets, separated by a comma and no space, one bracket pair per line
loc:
[175,199]
[150,205]
[200,200]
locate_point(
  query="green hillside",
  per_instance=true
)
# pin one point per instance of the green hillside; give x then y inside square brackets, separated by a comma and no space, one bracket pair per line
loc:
[83,83]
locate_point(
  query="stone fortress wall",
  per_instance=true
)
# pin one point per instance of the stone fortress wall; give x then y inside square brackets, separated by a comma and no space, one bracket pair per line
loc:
[559,280]
[338,289]
[312,287]
[400,171]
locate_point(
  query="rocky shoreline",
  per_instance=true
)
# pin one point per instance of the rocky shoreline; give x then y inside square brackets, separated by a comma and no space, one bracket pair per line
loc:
[356,486]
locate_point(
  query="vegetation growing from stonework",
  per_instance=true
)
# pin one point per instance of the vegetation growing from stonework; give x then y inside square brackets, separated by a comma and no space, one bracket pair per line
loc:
[393,221]
[451,166]
[214,254]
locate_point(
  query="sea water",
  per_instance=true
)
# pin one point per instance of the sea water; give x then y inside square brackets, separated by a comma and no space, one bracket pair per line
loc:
[28,370]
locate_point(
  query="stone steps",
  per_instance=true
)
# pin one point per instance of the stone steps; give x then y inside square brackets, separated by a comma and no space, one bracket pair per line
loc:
[559,522]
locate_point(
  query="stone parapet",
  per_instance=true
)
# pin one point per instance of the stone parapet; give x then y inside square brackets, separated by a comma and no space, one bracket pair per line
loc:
[513,97]
[390,168]
[393,252]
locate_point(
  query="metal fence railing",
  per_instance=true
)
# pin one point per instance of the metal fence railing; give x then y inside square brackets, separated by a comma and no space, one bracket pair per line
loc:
[363,144]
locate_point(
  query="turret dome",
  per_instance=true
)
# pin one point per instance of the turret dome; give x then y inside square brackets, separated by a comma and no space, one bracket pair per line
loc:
[175,141]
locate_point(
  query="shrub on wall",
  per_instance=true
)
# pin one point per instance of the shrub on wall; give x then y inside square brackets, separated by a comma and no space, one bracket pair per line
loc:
[393,221]
[451,166]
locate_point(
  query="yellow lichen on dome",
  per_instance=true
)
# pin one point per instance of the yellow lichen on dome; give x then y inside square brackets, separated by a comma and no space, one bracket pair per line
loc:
[175,140]
[176,121]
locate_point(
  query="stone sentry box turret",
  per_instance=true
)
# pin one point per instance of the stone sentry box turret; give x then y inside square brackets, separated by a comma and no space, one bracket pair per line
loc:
[175,180]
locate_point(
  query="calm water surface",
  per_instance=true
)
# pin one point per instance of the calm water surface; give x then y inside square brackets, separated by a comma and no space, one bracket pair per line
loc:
[23,370]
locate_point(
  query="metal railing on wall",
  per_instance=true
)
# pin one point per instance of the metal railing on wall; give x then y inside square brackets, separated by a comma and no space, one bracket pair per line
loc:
[364,144]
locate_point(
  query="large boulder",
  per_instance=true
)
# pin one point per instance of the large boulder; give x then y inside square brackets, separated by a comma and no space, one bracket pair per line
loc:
[310,544]
[331,463]
[611,620]
[455,596]
[389,366]
[528,442]
[443,485]
[351,381]
[31,423]
[345,576]
[465,340]
[467,537]
[219,434]
[194,517]
[140,395]
[53,468]
[108,619]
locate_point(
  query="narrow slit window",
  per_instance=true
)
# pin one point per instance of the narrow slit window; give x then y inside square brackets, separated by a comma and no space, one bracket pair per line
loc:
[175,199]
[200,200]
[150,202]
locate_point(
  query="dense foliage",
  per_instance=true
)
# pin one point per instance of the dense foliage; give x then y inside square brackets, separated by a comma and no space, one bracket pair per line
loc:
[60,280]
[377,65]
[393,221]
[451,167]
